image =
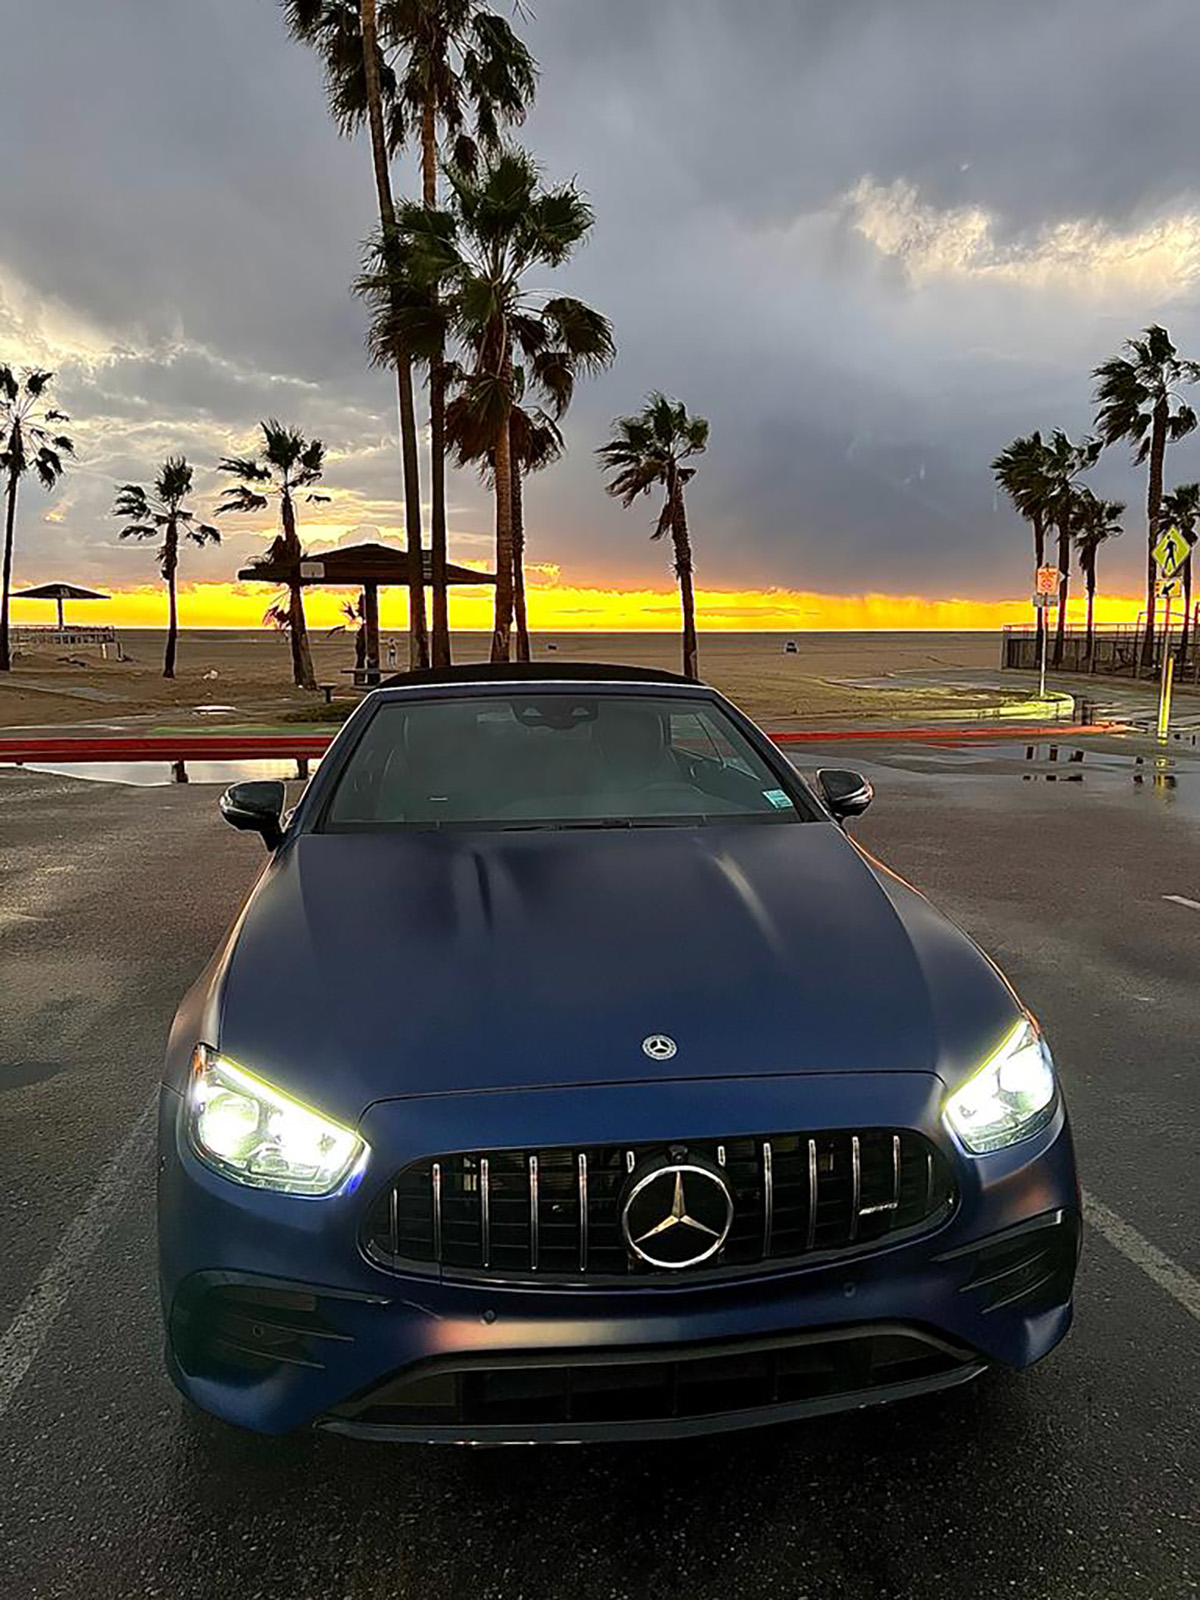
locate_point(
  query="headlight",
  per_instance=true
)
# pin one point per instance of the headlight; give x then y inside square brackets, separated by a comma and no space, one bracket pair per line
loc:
[253,1133]
[1009,1098]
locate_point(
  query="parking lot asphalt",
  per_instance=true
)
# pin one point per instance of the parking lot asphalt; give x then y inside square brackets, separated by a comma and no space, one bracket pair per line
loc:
[1078,1479]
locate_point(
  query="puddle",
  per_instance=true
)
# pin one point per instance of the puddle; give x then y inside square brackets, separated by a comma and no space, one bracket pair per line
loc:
[154,774]
[1170,775]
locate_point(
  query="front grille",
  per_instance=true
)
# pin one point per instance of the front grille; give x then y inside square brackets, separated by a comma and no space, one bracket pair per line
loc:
[600,1390]
[555,1215]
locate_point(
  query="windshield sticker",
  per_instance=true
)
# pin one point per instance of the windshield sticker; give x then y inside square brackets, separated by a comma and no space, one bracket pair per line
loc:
[778,799]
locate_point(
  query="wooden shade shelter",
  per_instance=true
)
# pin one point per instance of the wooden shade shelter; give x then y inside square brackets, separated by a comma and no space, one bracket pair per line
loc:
[59,592]
[368,567]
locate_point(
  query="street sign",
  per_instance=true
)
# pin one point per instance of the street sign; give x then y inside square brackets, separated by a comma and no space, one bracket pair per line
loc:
[1168,588]
[1048,580]
[312,569]
[1042,601]
[1170,552]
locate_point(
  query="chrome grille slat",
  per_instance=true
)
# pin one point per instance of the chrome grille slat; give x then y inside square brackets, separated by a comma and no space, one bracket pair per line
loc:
[583,1213]
[812,1194]
[533,1213]
[768,1196]
[554,1214]
[485,1211]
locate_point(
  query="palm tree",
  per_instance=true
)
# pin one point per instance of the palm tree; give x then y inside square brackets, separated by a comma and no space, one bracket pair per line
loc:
[1062,464]
[1095,522]
[535,443]
[27,440]
[1137,399]
[1020,470]
[1182,507]
[161,513]
[463,272]
[463,72]
[286,463]
[422,68]
[355,613]
[360,84]
[649,449]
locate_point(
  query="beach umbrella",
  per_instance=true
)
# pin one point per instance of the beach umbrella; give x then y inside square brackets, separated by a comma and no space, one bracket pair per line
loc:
[59,592]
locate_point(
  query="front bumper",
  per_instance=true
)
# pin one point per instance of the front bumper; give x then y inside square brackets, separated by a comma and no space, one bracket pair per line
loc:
[276,1319]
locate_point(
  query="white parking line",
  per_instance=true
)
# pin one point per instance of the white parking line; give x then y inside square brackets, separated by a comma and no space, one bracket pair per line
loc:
[27,1332]
[1135,1247]
[1182,900]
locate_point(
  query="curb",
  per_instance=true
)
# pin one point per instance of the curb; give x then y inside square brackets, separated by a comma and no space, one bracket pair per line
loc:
[215,747]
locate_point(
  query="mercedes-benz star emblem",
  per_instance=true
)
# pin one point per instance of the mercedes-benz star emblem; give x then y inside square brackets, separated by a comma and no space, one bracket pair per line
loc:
[677,1215]
[659,1047]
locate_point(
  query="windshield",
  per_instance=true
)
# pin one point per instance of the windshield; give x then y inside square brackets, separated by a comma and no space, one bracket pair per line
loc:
[555,760]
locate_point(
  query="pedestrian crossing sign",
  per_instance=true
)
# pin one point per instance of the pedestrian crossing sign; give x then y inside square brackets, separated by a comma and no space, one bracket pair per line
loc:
[1170,552]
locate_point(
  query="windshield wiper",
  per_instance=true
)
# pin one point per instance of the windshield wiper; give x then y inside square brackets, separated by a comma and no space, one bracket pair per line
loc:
[562,825]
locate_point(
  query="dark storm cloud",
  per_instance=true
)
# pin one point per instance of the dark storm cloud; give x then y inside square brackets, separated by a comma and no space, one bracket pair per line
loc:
[182,196]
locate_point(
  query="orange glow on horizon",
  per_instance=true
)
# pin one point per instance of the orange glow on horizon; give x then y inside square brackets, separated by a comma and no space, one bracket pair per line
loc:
[563,608]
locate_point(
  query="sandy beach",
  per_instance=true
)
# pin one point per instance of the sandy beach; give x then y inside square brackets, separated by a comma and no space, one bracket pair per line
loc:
[244,675]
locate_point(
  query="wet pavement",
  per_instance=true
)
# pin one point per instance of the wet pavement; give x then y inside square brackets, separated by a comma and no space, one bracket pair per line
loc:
[1079,1479]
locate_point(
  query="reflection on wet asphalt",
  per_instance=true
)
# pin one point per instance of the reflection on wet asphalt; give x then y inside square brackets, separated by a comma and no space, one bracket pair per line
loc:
[1111,769]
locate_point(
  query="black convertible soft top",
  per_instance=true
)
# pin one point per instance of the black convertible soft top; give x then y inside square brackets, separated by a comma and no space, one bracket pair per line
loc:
[533,672]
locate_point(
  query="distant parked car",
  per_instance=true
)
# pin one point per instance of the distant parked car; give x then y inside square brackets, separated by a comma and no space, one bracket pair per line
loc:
[570,1074]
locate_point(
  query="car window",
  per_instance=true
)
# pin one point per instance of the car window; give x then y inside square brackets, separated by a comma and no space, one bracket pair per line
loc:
[536,759]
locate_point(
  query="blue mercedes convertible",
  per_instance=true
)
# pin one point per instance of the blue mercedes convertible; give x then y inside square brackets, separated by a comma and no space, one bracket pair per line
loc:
[571,1074]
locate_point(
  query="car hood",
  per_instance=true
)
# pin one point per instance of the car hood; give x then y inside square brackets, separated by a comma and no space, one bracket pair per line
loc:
[372,966]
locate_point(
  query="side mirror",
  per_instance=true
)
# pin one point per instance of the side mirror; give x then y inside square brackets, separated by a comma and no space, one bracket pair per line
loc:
[256,807]
[847,794]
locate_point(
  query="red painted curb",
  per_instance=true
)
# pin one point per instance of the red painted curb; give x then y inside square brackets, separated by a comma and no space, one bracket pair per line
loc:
[168,747]
[263,746]
[942,735]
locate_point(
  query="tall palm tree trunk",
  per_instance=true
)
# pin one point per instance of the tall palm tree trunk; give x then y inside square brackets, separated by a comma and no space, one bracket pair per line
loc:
[1187,614]
[1090,579]
[518,545]
[1064,584]
[683,571]
[503,474]
[437,419]
[170,563]
[1158,447]
[10,523]
[303,675]
[418,643]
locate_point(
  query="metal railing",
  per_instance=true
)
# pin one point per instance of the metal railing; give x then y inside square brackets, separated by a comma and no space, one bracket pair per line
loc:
[1113,650]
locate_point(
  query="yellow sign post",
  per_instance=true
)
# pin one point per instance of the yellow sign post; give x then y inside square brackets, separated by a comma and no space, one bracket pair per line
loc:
[1170,552]
[1164,694]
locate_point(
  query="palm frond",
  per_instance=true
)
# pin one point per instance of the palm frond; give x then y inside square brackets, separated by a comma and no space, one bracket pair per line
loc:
[240,499]
[174,481]
[244,467]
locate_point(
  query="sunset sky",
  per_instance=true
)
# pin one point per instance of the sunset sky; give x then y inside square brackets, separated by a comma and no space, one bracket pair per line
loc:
[871,242]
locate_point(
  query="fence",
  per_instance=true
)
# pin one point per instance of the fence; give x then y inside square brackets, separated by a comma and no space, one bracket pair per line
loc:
[1113,651]
[102,638]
